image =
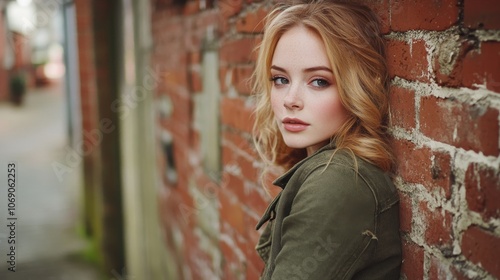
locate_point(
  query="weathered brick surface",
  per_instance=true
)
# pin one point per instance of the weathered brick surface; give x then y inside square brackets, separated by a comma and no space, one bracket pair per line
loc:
[439,231]
[443,60]
[482,14]
[482,247]
[413,261]
[471,127]
[402,104]
[423,14]
[449,68]
[430,168]
[252,21]
[408,60]
[481,67]
[482,187]
[405,213]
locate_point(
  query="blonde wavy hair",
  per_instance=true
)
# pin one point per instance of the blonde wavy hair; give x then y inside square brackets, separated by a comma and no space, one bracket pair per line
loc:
[356,52]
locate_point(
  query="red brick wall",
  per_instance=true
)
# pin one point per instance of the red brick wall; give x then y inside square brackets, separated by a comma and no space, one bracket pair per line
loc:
[444,60]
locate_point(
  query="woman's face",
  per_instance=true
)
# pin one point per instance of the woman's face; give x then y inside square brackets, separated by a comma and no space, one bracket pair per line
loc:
[304,94]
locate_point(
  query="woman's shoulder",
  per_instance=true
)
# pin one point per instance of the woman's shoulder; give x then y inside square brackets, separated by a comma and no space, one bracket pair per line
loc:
[340,170]
[340,160]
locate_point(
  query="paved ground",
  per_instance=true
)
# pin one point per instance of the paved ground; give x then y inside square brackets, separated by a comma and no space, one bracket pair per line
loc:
[47,209]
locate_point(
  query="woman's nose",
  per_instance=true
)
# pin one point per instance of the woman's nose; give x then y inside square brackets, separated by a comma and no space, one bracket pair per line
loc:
[293,99]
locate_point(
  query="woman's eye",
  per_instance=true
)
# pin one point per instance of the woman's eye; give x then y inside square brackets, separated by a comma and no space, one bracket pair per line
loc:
[279,81]
[321,83]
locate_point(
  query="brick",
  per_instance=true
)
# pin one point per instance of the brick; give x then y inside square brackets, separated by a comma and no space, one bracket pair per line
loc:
[482,187]
[253,235]
[228,156]
[206,19]
[232,266]
[252,22]
[423,166]
[231,212]
[181,114]
[250,241]
[405,212]
[482,14]
[236,114]
[438,230]
[241,144]
[229,8]
[482,248]
[235,185]
[195,81]
[448,62]
[423,14]
[238,51]
[175,79]
[407,61]
[257,200]
[178,212]
[461,125]
[242,79]
[247,193]
[249,171]
[162,4]
[402,107]
[413,261]
[253,272]
[441,172]
[233,157]
[194,58]
[481,67]
[191,7]
[255,265]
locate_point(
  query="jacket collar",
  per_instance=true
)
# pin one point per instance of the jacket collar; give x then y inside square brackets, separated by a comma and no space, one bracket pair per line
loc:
[283,179]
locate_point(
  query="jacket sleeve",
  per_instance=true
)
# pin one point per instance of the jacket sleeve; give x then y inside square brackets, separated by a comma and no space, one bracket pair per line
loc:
[331,224]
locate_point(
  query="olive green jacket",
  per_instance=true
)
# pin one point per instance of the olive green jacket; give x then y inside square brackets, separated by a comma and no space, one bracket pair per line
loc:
[332,220]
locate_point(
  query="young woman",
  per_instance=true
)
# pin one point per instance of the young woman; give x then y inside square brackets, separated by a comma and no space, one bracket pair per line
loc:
[321,84]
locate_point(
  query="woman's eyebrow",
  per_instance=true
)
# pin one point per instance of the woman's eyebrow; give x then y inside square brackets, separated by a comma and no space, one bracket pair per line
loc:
[278,68]
[311,69]
[318,68]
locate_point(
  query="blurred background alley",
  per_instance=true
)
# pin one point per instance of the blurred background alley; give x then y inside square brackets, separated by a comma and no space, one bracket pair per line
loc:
[34,136]
[35,129]
[71,119]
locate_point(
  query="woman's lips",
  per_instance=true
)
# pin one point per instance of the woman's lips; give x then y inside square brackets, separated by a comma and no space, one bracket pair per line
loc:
[294,125]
